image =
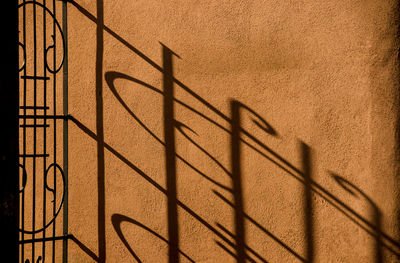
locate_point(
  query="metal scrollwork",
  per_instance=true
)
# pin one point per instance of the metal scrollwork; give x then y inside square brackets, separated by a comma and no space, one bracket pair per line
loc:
[58,68]
[53,191]
[52,47]
[43,184]
[24,178]
[24,52]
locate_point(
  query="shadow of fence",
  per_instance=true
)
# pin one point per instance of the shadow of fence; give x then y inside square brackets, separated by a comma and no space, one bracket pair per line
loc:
[240,137]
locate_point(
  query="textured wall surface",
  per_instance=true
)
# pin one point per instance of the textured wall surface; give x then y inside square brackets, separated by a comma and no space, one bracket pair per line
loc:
[224,131]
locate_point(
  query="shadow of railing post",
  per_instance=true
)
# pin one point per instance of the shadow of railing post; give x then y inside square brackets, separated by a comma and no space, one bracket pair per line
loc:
[375,211]
[237,180]
[308,204]
[170,154]
[100,133]
[377,218]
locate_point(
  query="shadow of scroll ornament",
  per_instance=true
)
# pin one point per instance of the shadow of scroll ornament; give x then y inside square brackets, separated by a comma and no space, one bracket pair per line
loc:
[374,210]
[118,219]
[111,76]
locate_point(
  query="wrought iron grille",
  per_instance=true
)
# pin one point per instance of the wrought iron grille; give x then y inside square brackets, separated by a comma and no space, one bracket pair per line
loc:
[43,129]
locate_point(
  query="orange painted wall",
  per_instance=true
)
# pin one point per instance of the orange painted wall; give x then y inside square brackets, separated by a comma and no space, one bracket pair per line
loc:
[199,125]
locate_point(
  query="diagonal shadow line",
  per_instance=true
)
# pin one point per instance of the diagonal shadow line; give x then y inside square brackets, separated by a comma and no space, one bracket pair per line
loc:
[84,248]
[233,253]
[314,184]
[149,179]
[123,41]
[230,243]
[117,154]
[180,127]
[289,249]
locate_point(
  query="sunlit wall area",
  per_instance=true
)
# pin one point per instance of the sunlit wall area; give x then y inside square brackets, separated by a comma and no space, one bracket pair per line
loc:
[227,131]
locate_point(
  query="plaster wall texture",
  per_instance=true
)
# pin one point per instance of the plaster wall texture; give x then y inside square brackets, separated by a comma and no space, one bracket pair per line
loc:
[280,134]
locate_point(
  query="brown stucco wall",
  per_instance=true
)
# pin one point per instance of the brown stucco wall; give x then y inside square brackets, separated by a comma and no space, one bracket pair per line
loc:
[281,134]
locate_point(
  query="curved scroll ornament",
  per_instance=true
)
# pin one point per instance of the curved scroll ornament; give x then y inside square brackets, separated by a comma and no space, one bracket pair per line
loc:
[24,52]
[58,68]
[52,190]
[24,177]
[52,47]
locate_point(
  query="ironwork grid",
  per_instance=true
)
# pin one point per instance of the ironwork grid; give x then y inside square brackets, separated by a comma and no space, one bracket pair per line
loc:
[43,158]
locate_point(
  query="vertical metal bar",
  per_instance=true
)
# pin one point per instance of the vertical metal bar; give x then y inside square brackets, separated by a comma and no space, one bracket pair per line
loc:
[24,138]
[34,130]
[44,131]
[9,100]
[55,125]
[65,131]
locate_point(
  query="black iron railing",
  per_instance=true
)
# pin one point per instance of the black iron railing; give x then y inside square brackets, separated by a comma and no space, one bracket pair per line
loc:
[43,158]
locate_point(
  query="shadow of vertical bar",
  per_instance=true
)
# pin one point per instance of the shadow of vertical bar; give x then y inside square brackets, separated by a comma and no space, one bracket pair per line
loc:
[375,212]
[237,181]
[169,135]
[100,133]
[378,239]
[308,207]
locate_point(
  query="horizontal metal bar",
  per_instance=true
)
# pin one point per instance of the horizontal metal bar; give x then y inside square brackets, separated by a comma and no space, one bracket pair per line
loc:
[35,77]
[34,125]
[33,155]
[34,107]
[44,239]
[61,117]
